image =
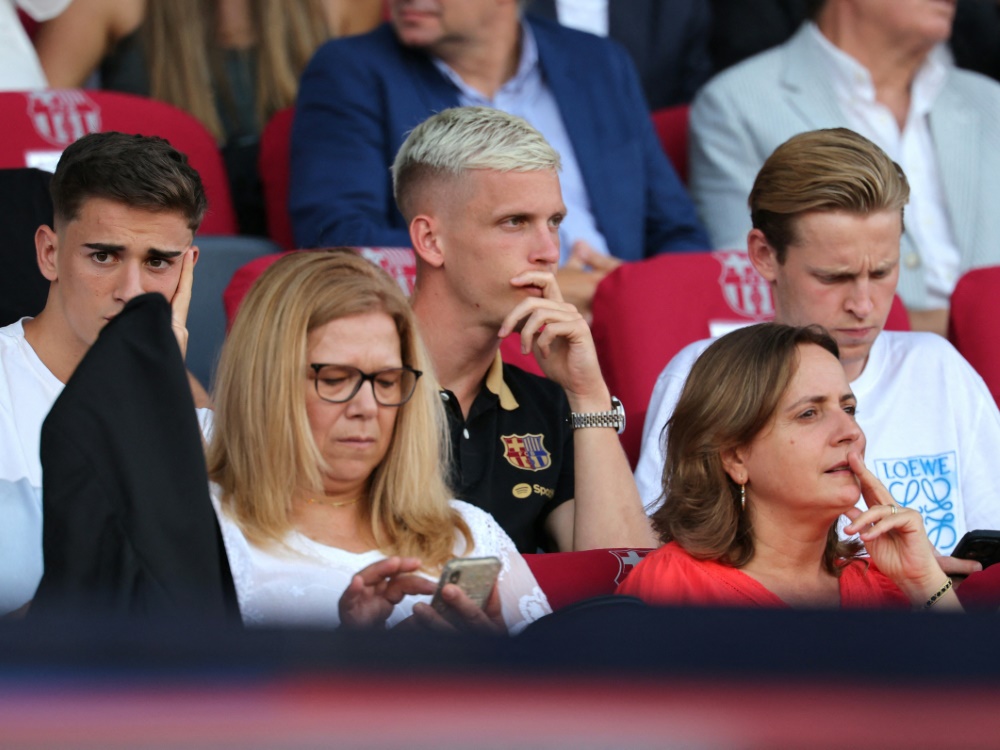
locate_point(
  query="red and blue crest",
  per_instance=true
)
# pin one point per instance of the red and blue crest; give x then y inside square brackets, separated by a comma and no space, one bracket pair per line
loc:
[526,452]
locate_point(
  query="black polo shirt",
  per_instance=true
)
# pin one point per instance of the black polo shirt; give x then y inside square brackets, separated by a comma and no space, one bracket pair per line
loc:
[513,455]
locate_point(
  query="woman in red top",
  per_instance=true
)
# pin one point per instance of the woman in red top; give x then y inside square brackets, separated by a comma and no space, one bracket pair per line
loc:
[763,457]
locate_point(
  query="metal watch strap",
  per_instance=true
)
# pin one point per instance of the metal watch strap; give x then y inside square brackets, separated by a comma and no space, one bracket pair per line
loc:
[614,418]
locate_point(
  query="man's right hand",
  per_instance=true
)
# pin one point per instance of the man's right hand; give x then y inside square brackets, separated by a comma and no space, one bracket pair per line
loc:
[555,331]
[180,303]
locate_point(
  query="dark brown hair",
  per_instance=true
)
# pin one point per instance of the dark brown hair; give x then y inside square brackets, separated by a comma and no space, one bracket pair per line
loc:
[139,171]
[729,398]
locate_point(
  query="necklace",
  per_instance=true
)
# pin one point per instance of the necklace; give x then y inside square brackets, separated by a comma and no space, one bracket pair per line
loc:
[314,501]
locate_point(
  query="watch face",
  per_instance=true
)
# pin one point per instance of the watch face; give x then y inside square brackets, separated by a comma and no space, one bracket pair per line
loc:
[619,410]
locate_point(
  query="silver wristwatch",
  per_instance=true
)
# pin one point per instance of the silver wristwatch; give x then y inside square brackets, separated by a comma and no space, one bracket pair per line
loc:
[614,418]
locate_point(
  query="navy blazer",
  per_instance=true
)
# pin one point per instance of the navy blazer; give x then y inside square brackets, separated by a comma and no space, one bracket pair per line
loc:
[360,96]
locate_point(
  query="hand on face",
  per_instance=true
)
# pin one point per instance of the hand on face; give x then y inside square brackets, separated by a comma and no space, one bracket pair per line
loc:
[560,339]
[377,589]
[180,303]
[894,537]
[110,253]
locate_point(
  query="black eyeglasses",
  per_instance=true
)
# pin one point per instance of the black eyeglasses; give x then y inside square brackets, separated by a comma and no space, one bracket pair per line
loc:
[340,383]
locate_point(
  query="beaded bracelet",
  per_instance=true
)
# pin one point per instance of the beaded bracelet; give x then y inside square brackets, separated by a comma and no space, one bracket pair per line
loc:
[941,592]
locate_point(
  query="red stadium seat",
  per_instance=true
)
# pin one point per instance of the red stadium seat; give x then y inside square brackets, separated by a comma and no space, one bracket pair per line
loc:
[38,125]
[398,262]
[569,577]
[671,125]
[981,591]
[974,323]
[645,312]
[274,167]
[510,350]
[30,24]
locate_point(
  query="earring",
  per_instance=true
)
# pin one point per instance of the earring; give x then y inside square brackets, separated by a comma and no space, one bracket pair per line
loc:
[743,496]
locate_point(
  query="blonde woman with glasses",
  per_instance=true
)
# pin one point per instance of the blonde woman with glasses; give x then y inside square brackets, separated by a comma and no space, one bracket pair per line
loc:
[328,455]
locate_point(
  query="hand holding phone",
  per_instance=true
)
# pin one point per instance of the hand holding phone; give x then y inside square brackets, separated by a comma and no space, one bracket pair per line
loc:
[475,576]
[982,545]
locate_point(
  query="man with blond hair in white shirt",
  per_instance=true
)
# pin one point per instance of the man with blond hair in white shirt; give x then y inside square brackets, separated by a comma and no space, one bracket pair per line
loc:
[879,67]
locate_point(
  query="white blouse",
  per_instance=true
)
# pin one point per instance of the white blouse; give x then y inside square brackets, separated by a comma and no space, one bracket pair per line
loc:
[300,582]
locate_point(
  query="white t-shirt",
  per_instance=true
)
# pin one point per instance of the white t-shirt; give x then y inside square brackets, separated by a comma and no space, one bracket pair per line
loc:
[932,426]
[20,68]
[27,391]
[301,582]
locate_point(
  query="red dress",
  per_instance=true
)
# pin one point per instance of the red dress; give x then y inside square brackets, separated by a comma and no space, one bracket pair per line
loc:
[670,575]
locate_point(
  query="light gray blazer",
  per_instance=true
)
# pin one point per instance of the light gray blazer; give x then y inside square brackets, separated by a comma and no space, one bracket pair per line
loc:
[747,111]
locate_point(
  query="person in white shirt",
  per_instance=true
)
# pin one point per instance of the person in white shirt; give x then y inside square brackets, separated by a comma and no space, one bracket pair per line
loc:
[879,67]
[126,209]
[327,461]
[827,209]
[20,68]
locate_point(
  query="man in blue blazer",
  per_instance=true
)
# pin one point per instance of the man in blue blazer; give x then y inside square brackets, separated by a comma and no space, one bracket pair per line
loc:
[360,96]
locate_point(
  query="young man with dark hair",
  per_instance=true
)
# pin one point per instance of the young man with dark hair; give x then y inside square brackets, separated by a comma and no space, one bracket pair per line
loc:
[126,210]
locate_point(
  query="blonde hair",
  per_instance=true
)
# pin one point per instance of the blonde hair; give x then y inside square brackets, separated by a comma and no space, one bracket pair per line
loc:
[185,60]
[731,394]
[823,170]
[262,446]
[462,138]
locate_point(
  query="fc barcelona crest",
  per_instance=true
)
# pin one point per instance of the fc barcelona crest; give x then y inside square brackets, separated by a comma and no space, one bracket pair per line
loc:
[745,291]
[627,559]
[60,117]
[526,452]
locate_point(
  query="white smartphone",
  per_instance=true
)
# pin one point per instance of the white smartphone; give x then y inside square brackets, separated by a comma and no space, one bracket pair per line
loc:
[476,576]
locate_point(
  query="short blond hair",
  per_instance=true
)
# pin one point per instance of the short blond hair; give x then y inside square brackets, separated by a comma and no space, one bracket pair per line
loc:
[262,446]
[456,140]
[823,170]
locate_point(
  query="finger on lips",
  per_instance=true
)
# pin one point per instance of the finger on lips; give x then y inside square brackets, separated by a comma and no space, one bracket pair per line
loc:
[544,280]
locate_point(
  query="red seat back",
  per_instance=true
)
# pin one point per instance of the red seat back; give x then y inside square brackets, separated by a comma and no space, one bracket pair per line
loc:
[645,312]
[568,577]
[274,165]
[398,262]
[898,319]
[981,591]
[671,124]
[974,323]
[510,350]
[38,125]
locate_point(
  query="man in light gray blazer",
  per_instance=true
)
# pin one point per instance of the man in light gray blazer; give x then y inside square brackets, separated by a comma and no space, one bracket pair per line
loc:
[878,67]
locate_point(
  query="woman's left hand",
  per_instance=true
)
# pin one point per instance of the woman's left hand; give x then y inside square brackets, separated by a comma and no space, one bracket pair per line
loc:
[894,537]
[467,614]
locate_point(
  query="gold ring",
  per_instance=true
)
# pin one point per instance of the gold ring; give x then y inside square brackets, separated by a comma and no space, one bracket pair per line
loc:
[894,509]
